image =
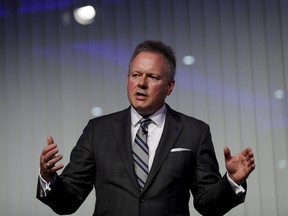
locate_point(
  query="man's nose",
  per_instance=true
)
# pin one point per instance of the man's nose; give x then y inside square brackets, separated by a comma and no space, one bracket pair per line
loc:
[143,81]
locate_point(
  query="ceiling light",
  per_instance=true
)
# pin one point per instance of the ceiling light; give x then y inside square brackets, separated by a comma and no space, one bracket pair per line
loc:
[188,60]
[279,94]
[85,15]
[96,111]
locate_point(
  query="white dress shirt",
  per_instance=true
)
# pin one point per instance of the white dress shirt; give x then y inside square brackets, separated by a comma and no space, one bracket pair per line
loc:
[155,129]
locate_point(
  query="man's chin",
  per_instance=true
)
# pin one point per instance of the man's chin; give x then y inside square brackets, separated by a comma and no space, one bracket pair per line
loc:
[143,110]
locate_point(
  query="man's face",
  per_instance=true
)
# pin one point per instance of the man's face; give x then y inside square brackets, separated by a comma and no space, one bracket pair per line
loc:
[148,83]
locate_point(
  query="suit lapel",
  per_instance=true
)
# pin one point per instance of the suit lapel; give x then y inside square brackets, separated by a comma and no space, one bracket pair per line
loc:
[122,131]
[171,132]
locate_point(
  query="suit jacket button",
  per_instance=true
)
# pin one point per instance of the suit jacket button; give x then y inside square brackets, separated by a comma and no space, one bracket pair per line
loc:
[142,200]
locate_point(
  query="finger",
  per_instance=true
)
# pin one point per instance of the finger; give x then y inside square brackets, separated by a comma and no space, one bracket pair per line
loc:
[252,162]
[56,168]
[251,167]
[48,153]
[247,151]
[47,160]
[249,154]
[48,173]
[48,148]
[50,145]
[50,140]
[51,166]
[227,153]
[53,161]
[51,154]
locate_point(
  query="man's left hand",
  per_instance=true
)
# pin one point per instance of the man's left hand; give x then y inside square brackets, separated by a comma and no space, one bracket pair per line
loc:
[240,165]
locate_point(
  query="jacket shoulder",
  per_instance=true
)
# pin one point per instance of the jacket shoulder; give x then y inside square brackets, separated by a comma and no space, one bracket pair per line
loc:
[186,119]
[112,116]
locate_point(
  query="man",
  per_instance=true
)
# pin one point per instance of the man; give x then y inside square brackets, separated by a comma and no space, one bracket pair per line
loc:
[181,154]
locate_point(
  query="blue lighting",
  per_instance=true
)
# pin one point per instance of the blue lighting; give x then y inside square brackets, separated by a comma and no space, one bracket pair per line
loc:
[44,6]
[3,12]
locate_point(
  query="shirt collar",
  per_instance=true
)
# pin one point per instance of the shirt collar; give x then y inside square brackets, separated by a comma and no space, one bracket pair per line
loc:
[158,117]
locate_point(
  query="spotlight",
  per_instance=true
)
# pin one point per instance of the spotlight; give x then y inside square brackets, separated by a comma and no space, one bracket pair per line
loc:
[279,94]
[96,111]
[188,60]
[85,15]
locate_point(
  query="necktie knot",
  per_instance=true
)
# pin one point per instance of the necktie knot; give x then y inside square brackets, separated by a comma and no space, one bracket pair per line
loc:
[144,125]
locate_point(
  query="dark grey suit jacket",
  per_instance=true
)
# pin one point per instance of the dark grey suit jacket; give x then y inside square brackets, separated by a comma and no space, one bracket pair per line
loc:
[102,158]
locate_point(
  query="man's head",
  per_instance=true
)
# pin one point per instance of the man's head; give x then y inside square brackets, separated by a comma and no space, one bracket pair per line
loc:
[151,76]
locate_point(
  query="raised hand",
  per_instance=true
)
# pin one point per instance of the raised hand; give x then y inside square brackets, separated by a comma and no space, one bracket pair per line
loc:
[48,160]
[240,165]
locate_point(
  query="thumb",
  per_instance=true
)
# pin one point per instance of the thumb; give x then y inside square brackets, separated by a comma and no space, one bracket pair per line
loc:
[227,154]
[50,140]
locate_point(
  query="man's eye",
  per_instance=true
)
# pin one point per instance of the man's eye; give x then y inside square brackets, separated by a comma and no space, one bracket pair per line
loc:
[154,77]
[135,75]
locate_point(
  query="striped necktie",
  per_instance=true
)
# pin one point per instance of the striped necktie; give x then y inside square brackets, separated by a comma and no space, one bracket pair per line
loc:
[140,153]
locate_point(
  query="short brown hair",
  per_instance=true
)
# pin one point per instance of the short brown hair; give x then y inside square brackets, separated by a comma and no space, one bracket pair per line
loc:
[157,47]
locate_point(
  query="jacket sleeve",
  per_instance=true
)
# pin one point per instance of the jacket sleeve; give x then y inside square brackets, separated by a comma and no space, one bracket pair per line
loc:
[213,194]
[76,181]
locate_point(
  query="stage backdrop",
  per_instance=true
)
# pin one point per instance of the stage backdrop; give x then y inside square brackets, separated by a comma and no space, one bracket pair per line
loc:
[56,74]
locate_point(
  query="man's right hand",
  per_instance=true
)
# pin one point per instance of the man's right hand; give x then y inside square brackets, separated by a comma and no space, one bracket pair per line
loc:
[48,160]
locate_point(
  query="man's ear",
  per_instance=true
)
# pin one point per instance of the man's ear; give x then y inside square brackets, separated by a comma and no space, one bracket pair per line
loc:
[170,87]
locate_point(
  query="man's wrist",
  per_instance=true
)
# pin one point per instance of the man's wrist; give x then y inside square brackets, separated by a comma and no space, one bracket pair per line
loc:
[238,189]
[46,185]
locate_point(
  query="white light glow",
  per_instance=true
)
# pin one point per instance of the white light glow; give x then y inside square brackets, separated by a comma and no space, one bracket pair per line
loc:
[282,164]
[85,15]
[188,60]
[96,111]
[279,94]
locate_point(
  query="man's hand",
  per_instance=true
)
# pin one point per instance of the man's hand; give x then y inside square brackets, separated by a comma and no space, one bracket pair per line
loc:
[48,160]
[240,165]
